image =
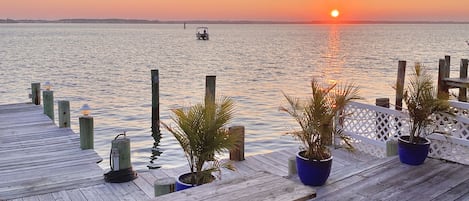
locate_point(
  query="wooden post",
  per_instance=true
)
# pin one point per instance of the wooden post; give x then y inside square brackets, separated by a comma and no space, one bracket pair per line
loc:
[210,85]
[463,75]
[400,84]
[36,93]
[86,132]
[49,104]
[443,72]
[447,65]
[155,103]
[237,154]
[382,123]
[123,147]
[164,186]
[64,114]
[292,166]
[391,148]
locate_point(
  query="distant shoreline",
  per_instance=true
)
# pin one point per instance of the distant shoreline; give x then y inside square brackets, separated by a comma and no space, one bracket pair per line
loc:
[138,21]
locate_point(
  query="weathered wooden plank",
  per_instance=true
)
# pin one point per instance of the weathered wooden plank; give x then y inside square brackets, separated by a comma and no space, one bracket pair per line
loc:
[45,197]
[39,182]
[145,186]
[89,194]
[17,199]
[14,178]
[16,118]
[46,158]
[459,192]
[457,82]
[76,195]
[219,187]
[350,170]
[246,188]
[274,168]
[33,131]
[158,173]
[60,196]
[433,183]
[15,108]
[242,168]
[35,139]
[47,152]
[371,179]
[105,192]
[174,172]
[401,185]
[26,125]
[135,191]
[123,190]
[39,142]
[33,198]
[16,105]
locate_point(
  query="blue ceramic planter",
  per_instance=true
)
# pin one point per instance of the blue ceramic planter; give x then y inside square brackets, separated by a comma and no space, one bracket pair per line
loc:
[181,185]
[313,173]
[413,153]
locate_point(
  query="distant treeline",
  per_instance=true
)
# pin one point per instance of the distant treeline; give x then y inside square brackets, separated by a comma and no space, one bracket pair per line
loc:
[138,21]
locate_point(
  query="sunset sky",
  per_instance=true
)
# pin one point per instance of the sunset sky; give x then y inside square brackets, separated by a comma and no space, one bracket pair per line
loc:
[283,10]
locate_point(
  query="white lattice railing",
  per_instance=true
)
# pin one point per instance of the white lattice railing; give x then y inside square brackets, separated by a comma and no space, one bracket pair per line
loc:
[370,127]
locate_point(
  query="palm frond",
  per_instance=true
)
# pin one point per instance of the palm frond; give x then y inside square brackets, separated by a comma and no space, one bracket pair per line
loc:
[422,102]
[316,115]
[201,132]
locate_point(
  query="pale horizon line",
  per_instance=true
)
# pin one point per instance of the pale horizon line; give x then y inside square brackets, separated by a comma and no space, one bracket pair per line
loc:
[145,21]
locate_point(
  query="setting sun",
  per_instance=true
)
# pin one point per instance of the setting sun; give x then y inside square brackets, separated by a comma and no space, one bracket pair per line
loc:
[335,13]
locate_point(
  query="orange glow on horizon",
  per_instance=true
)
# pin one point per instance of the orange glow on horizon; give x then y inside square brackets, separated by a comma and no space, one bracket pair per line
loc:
[281,10]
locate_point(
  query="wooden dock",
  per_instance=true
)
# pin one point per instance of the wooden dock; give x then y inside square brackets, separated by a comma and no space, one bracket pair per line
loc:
[37,157]
[39,161]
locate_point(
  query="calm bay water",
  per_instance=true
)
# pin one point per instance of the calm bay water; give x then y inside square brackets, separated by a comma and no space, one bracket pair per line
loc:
[108,66]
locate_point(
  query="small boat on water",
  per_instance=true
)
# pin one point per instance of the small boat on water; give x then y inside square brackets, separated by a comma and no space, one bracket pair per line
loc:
[202,33]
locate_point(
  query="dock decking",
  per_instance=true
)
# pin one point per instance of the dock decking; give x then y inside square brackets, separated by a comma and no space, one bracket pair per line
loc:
[39,161]
[37,157]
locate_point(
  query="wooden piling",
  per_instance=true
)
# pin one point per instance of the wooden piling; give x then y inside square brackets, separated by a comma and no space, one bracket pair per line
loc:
[64,114]
[48,97]
[463,75]
[391,148]
[210,85]
[447,65]
[86,132]
[443,72]
[36,93]
[400,84]
[237,154]
[292,166]
[164,186]
[155,103]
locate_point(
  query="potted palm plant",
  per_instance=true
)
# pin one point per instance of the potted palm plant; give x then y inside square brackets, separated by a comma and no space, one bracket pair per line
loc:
[201,132]
[316,117]
[422,103]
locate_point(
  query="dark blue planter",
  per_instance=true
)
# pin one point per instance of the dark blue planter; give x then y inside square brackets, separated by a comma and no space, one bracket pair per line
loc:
[181,185]
[413,153]
[313,173]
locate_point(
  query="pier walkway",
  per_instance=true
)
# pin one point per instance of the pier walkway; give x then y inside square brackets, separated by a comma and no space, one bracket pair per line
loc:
[39,161]
[37,157]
